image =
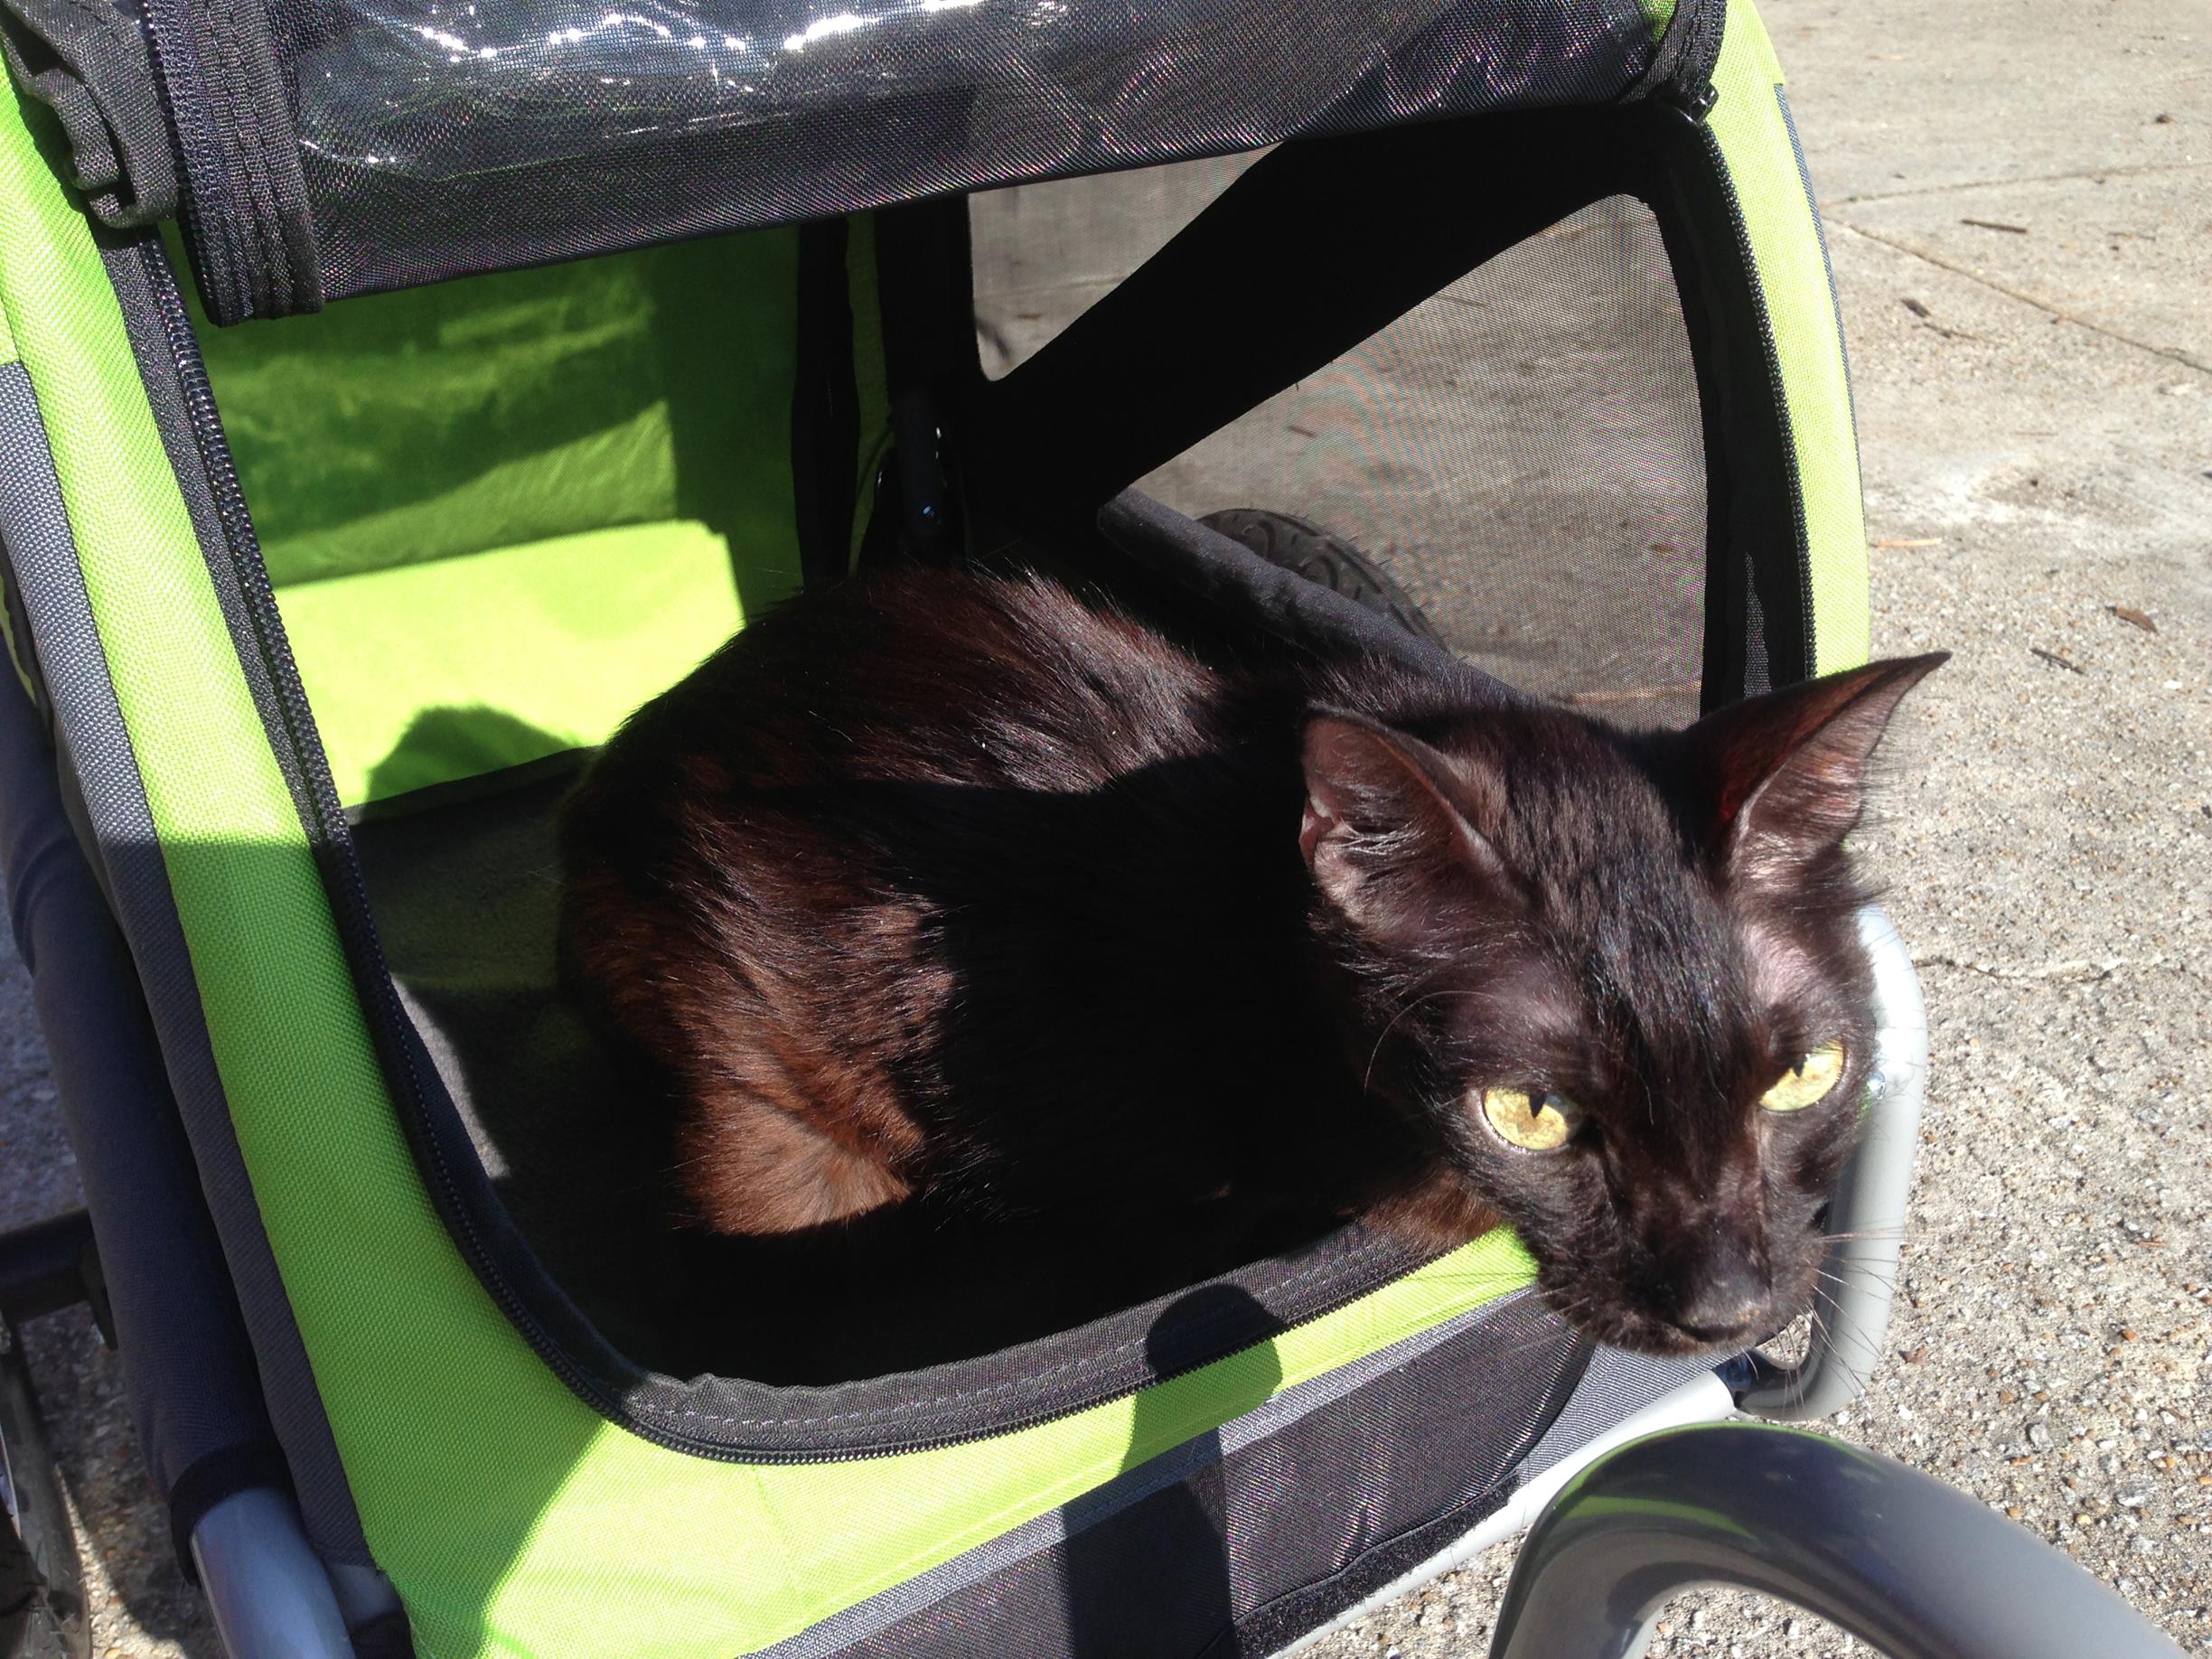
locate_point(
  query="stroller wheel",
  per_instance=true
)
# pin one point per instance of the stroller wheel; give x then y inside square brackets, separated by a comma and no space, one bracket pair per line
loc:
[1321,557]
[42,1584]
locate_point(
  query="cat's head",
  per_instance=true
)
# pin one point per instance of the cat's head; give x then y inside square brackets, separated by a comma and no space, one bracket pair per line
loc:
[1615,980]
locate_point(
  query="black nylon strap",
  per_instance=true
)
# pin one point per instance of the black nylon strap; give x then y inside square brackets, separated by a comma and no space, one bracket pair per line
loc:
[825,406]
[1240,304]
[253,238]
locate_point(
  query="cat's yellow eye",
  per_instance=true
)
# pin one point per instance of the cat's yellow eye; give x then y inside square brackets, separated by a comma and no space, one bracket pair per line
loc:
[1533,1122]
[1806,1083]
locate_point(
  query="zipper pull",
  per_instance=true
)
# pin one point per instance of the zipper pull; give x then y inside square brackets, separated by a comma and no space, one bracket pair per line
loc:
[1692,103]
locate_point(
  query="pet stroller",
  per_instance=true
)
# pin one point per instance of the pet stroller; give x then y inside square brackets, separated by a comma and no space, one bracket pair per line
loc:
[1518,333]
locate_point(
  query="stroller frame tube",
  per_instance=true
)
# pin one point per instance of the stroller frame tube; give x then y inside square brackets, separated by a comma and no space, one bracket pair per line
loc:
[266,1586]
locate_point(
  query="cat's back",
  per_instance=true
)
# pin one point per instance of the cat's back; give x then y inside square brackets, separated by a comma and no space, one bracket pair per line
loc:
[790,882]
[921,677]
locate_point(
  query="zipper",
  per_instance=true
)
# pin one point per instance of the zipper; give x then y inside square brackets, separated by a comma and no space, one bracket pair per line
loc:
[342,879]
[1693,103]
[351,898]
[1364,1285]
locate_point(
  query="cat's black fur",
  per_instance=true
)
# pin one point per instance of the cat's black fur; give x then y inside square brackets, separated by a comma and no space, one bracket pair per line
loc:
[948,908]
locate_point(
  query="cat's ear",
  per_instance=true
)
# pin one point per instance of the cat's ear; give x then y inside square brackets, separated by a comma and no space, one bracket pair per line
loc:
[1786,774]
[1389,830]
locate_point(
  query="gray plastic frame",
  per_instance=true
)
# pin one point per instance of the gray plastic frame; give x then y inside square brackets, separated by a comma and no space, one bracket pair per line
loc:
[1915,1568]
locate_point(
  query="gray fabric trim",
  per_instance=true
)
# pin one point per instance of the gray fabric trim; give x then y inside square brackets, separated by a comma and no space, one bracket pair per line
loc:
[92,727]
[834,1634]
[1617,1384]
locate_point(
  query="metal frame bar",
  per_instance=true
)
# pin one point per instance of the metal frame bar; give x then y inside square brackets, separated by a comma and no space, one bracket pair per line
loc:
[266,1586]
[1915,1568]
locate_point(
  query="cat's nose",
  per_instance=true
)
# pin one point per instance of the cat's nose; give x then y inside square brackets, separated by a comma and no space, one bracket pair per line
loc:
[1725,1301]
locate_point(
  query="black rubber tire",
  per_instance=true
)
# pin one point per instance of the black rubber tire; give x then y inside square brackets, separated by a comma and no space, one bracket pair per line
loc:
[42,1613]
[1324,558]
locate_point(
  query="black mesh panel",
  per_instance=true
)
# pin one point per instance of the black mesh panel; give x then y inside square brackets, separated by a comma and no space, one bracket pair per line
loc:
[1521,453]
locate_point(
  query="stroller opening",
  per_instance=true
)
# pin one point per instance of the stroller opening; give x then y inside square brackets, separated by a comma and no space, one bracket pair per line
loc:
[595,455]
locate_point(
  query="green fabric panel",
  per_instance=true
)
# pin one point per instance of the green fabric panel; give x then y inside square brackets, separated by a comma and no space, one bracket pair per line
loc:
[1793,273]
[1657,16]
[724,1572]
[600,450]
[563,639]
[381,1294]
[498,410]
[512,1519]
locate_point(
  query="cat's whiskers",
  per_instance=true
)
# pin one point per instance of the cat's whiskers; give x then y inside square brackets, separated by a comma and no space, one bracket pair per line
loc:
[1818,1326]
[1849,1265]
[1840,1282]
[1404,1009]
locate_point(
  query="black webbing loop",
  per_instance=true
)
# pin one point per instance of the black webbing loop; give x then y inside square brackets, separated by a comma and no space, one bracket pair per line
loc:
[89,63]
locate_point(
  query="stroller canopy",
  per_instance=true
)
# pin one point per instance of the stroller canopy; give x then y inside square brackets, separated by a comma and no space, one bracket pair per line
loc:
[336,147]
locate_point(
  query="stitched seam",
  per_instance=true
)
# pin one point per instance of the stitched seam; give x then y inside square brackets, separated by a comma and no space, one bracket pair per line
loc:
[258,193]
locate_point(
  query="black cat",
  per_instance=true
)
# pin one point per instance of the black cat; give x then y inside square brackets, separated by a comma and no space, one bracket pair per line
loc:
[951,897]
